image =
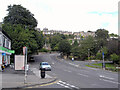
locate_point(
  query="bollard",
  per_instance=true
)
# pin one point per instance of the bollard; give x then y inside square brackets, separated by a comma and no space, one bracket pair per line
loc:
[43,73]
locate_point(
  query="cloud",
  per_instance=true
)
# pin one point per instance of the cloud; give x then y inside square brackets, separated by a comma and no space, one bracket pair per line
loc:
[102,13]
[71,15]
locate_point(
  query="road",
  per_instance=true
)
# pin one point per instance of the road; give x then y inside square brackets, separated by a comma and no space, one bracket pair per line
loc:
[71,75]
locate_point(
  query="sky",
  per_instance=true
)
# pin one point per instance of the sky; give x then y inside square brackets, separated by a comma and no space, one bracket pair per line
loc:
[70,15]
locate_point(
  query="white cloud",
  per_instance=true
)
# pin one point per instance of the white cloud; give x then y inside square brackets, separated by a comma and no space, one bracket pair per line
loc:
[71,15]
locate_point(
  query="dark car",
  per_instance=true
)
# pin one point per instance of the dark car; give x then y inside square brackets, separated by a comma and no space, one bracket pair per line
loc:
[31,59]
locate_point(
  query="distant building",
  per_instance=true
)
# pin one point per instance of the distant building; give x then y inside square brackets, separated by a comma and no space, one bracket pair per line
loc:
[82,34]
[5,48]
[38,29]
[51,32]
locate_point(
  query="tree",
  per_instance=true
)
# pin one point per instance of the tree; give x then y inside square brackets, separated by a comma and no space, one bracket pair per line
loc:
[115,58]
[38,36]
[75,43]
[21,38]
[101,36]
[64,47]
[75,51]
[17,14]
[54,41]
[113,46]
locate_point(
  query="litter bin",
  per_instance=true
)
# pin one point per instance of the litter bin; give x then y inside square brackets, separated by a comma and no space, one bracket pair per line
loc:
[42,73]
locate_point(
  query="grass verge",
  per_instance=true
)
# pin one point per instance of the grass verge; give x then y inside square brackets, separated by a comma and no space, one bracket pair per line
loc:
[109,66]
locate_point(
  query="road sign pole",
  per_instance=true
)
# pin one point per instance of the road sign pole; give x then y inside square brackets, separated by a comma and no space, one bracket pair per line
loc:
[25,48]
[103,61]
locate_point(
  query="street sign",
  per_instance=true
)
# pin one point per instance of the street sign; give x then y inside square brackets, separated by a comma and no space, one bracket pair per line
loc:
[3,54]
[24,50]
[102,53]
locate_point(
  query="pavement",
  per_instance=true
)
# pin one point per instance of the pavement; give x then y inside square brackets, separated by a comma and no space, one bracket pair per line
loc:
[10,78]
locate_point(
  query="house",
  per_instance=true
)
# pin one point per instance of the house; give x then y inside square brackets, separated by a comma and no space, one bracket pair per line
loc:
[5,48]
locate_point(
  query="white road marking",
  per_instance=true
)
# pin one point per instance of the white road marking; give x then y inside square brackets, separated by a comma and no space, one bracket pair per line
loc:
[53,63]
[37,73]
[67,85]
[109,81]
[74,64]
[105,77]
[67,70]
[82,74]
[63,85]
[84,71]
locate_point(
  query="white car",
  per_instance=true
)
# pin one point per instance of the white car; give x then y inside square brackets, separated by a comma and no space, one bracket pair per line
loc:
[45,65]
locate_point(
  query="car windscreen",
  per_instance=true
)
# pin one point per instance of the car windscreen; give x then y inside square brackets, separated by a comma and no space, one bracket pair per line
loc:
[44,63]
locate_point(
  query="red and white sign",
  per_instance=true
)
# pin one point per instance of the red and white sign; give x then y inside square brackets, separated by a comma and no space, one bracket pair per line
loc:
[24,50]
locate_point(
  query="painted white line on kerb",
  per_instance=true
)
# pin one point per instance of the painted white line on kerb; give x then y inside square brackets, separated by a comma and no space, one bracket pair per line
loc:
[105,77]
[83,75]
[109,81]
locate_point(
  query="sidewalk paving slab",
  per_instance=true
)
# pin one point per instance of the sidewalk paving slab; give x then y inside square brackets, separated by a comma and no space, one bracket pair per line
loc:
[15,79]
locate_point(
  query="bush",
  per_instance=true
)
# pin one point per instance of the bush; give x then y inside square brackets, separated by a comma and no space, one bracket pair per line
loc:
[70,57]
[44,50]
[92,57]
[115,58]
[99,56]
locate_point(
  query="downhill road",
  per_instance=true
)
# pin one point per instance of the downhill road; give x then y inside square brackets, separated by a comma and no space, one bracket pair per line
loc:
[72,75]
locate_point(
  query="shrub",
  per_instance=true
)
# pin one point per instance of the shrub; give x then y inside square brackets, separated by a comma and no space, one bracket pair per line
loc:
[115,58]
[44,50]
[99,56]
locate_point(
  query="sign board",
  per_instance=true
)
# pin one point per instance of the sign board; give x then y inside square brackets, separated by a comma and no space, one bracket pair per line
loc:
[19,62]
[102,53]
[24,50]
[3,54]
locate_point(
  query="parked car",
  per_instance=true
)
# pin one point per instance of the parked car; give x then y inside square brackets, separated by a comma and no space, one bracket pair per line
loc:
[31,59]
[45,65]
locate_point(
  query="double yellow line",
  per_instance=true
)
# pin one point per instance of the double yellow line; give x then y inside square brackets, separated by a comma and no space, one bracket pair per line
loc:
[36,86]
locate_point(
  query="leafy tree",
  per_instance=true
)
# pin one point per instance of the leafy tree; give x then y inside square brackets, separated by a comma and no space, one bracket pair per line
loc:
[101,36]
[113,35]
[115,58]
[64,47]
[113,46]
[38,36]
[89,43]
[54,41]
[21,38]
[105,50]
[82,51]
[17,14]
[99,56]
[75,43]
[75,51]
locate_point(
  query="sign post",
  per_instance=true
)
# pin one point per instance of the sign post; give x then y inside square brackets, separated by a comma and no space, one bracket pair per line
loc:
[103,64]
[25,53]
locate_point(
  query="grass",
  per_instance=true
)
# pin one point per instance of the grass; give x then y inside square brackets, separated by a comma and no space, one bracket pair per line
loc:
[91,66]
[109,66]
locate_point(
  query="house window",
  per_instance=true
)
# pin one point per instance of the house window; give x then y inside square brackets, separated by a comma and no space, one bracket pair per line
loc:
[3,39]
